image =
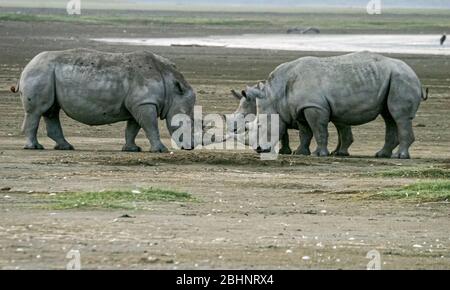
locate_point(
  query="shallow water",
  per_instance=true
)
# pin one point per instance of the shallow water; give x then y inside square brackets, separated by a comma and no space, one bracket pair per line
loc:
[409,44]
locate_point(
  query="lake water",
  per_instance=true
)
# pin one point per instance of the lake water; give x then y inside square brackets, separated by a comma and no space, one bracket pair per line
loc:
[410,44]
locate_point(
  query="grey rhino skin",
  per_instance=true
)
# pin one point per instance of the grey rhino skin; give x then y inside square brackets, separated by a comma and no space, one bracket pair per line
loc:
[98,88]
[247,106]
[347,90]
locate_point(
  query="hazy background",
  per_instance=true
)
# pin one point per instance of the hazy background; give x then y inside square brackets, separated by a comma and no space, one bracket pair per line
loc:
[142,4]
[339,3]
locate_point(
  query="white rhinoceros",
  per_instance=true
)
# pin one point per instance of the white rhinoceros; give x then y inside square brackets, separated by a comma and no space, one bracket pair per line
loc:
[347,90]
[98,88]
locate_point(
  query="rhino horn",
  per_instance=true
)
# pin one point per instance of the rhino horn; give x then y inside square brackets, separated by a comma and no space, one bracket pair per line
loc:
[237,95]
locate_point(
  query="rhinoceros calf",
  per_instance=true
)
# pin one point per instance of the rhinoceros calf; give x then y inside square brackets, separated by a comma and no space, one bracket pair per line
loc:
[247,106]
[347,90]
[98,88]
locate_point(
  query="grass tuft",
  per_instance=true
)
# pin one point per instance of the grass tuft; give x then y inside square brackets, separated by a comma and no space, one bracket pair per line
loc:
[116,199]
[434,173]
[435,191]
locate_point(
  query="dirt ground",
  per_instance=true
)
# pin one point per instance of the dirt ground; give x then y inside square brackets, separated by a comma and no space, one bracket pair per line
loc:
[293,213]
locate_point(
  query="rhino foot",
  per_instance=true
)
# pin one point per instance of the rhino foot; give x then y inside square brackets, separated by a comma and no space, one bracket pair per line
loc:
[131,148]
[302,151]
[159,149]
[33,147]
[321,153]
[64,147]
[401,155]
[383,154]
[340,154]
[285,151]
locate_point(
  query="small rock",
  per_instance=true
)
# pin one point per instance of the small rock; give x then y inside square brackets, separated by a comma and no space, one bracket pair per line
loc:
[127,216]
[306,258]
[152,260]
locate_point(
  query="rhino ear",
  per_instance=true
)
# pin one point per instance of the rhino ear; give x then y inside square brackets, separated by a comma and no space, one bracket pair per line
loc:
[179,87]
[261,86]
[236,95]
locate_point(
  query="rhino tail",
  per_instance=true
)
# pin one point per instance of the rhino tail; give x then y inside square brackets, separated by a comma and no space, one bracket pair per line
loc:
[425,94]
[15,89]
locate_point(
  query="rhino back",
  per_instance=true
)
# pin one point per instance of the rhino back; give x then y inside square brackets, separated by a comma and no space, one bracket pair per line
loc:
[353,87]
[92,87]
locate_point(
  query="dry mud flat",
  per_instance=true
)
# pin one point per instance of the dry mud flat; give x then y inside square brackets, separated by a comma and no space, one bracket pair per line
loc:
[295,212]
[291,213]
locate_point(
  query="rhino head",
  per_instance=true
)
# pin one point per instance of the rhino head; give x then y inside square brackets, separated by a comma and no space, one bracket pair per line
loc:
[179,104]
[267,121]
[246,109]
[239,123]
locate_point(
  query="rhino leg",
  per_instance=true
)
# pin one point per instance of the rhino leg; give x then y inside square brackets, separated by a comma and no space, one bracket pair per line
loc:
[339,144]
[147,118]
[285,148]
[345,140]
[30,127]
[391,140]
[306,136]
[403,102]
[318,121]
[406,138]
[130,136]
[54,130]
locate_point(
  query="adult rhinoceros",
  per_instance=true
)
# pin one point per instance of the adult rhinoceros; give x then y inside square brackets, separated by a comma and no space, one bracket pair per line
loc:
[347,90]
[98,88]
